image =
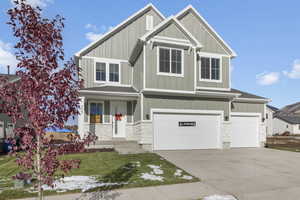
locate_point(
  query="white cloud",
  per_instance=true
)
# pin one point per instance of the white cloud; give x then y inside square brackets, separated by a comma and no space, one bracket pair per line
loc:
[7,58]
[295,72]
[268,78]
[93,35]
[34,3]
[91,26]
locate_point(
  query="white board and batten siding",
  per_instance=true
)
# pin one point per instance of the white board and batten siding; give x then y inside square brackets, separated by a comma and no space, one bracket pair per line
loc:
[180,130]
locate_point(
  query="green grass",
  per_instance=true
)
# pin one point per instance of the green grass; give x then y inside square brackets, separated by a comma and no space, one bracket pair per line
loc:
[108,166]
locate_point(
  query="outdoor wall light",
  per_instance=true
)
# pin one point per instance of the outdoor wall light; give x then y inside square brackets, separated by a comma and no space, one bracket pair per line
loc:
[226,118]
[147,116]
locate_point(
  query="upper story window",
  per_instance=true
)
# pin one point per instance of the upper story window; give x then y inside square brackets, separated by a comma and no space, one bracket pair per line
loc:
[107,72]
[210,69]
[170,61]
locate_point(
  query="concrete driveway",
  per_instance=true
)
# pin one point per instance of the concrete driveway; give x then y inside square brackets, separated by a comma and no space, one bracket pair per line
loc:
[247,173]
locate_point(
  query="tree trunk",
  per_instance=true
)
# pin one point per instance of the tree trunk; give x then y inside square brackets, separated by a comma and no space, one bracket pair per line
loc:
[38,162]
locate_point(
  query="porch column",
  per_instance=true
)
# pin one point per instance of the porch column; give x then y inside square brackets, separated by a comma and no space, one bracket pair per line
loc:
[81,117]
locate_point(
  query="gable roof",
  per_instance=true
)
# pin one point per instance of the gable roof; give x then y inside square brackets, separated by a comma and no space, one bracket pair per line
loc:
[289,119]
[292,109]
[166,23]
[190,8]
[247,95]
[119,27]
[273,108]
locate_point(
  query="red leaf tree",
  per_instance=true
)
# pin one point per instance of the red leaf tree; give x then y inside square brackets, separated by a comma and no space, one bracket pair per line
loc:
[45,95]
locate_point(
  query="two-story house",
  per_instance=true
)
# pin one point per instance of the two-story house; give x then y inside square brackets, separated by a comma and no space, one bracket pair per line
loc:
[165,83]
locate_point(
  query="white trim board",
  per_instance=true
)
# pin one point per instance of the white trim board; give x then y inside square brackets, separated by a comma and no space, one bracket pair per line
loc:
[186,111]
[165,23]
[213,88]
[110,93]
[170,91]
[120,26]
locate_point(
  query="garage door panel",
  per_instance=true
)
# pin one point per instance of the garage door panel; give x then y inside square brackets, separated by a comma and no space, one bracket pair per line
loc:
[168,135]
[245,131]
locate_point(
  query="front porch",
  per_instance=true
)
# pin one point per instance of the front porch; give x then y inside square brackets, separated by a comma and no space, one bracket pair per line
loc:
[108,112]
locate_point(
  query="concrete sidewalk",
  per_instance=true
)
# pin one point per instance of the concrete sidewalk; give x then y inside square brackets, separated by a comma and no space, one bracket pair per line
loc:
[187,191]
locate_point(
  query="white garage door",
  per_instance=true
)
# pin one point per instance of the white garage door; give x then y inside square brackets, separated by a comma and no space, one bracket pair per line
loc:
[245,131]
[186,131]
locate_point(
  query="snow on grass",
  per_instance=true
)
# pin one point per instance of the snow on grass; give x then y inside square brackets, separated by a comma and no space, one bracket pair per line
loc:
[156,169]
[151,177]
[186,177]
[178,172]
[219,197]
[137,164]
[82,183]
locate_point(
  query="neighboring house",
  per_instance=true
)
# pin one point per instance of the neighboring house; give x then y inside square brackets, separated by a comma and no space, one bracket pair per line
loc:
[287,119]
[165,83]
[6,126]
[284,123]
[270,111]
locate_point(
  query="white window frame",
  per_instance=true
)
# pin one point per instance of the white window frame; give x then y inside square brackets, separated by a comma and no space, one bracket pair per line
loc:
[89,111]
[107,62]
[170,73]
[210,56]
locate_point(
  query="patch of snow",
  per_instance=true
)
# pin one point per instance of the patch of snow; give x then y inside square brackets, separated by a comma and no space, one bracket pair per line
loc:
[186,177]
[151,177]
[82,183]
[178,172]
[137,163]
[220,197]
[156,169]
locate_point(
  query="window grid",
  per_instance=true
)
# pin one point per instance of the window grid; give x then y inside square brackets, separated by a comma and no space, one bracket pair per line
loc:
[170,61]
[210,68]
[100,71]
[107,72]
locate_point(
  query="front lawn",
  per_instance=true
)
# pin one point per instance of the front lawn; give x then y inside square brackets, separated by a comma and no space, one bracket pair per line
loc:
[102,170]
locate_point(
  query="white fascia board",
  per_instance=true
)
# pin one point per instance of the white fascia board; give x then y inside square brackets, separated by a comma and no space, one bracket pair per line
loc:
[110,93]
[220,94]
[252,100]
[190,7]
[166,22]
[168,91]
[118,27]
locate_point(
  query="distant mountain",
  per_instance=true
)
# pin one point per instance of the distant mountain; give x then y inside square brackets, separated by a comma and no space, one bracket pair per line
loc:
[290,110]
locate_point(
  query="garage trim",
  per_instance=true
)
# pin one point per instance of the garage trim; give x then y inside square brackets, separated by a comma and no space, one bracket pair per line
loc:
[246,114]
[187,111]
[250,114]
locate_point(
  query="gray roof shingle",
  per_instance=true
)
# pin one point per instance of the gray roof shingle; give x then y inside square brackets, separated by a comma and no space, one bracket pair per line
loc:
[243,94]
[289,119]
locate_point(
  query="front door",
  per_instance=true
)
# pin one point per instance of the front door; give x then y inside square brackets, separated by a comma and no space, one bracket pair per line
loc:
[118,110]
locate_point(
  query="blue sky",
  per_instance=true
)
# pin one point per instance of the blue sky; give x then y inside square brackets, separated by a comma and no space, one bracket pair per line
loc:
[265,35]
